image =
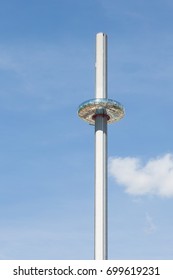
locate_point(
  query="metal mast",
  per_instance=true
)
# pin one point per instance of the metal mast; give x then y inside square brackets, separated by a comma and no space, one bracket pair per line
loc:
[99,112]
[100,224]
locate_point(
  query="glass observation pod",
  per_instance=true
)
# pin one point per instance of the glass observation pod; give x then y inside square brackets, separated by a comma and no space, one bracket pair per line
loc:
[109,108]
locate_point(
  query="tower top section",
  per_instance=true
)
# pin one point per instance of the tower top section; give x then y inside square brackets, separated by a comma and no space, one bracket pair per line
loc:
[101,105]
[101,65]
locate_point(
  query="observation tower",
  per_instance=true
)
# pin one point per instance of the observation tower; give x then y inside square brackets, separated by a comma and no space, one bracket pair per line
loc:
[99,112]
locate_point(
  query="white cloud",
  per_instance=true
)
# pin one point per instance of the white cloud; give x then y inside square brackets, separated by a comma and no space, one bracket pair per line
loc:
[155,177]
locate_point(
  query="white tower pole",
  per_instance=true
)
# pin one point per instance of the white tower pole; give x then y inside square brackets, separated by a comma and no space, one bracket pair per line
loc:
[100,223]
[101,111]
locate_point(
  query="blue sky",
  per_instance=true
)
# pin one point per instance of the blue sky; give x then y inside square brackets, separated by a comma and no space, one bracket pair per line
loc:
[47,57]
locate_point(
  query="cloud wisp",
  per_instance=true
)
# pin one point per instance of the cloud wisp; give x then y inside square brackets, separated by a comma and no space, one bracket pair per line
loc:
[150,226]
[155,177]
